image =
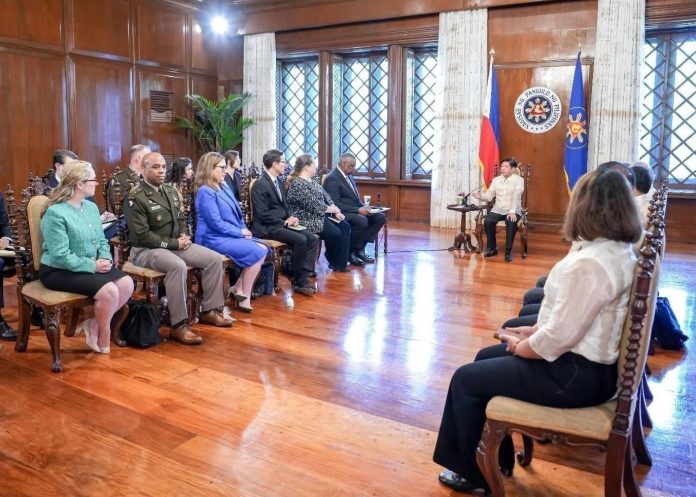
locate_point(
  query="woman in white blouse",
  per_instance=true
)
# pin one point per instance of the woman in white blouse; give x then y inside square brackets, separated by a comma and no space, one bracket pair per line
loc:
[568,359]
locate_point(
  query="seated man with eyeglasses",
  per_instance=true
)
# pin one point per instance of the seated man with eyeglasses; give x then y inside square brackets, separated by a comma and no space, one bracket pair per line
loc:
[272,221]
[157,234]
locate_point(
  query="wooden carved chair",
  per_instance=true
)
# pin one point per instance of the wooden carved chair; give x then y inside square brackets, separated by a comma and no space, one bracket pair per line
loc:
[607,427]
[149,278]
[525,171]
[26,231]
[657,209]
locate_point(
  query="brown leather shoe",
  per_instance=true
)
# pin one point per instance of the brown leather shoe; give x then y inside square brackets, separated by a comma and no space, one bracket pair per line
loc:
[183,334]
[215,318]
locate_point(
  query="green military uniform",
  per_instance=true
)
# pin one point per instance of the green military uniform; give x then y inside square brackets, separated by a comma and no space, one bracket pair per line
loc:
[154,220]
[154,217]
[127,179]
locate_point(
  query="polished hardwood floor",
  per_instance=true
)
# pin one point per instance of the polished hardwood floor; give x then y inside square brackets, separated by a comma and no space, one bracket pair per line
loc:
[334,396]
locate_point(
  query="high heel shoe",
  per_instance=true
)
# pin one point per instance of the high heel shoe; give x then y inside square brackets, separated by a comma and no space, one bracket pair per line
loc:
[86,328]
[238,296]
[244,308]
[105,350]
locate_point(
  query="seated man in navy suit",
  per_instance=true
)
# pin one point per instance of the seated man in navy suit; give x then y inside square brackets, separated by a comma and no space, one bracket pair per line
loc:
[365,225]
[60,157]
[272,221]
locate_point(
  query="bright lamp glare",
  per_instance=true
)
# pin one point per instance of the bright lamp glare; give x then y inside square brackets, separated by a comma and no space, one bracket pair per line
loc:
[219,25]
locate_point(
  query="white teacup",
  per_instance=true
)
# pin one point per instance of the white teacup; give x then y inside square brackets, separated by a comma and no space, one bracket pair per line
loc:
[367,199]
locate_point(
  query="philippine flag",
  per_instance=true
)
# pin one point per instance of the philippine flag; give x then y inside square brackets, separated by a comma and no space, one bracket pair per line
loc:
[489,152]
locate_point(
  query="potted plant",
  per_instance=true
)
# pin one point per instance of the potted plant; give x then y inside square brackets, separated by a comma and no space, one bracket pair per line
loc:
[218,126]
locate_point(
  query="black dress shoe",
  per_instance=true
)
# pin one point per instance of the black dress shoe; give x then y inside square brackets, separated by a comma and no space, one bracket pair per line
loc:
[491,253]
[304,290]
[355,260]
[508,255]
[343,269]
[37,317]
[457,483]
[7,333]
[365,258]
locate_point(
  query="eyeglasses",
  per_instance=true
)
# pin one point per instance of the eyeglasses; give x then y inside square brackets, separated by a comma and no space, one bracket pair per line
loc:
[90,181]
[282,161]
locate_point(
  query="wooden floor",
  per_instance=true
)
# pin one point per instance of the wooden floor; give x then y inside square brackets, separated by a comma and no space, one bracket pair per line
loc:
[333,396]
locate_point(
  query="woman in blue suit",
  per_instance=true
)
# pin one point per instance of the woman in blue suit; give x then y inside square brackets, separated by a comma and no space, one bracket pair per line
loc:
[219,226]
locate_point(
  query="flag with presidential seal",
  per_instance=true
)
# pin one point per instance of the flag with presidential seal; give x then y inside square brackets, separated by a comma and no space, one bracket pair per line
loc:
[537,109]
[575,156]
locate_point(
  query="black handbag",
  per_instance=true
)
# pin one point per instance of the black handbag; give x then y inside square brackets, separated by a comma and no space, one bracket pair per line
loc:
[141,326]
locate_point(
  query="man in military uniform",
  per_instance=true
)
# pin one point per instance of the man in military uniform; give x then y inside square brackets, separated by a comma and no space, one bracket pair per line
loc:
[129,176]
[159,241]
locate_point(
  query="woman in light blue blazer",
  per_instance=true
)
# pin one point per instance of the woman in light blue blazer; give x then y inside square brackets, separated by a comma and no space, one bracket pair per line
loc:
[220,227]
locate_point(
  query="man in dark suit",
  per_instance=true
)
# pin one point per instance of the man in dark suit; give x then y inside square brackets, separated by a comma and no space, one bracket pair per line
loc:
[233,177]
[60,157]
[365,225]
[272,221]
[6,331]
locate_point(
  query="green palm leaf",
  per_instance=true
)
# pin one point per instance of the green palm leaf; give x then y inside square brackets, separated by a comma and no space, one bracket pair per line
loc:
[217,125]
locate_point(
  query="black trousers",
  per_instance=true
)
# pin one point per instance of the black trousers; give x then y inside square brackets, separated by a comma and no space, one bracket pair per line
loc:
[510,230]
[336,236]
[569,381]
[2,278]
[363,229]
[527,320]
[304,251]
[535,295]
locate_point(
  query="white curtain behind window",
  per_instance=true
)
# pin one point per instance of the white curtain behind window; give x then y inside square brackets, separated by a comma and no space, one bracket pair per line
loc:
[462,67]
[259,80]
[615,111]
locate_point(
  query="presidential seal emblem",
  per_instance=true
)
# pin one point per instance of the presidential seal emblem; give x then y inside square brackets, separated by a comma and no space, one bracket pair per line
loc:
[537,109]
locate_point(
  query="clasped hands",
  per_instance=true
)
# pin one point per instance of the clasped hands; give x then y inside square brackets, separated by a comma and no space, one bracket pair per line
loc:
[333,209]
[103,265]
[512,336]
[184,241]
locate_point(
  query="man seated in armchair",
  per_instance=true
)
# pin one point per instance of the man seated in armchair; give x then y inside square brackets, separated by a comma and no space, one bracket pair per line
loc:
[157,234]
[364,224]
[507,190]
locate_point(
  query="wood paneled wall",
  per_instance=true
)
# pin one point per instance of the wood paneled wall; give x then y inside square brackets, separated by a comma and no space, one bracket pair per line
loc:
[77,74]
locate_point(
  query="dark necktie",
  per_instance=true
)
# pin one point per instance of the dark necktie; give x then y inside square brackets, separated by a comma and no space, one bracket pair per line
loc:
[277,185]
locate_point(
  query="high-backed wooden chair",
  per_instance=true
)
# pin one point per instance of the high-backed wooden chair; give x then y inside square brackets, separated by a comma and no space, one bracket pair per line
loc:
[657,209]
[607,427]
[25,222]
[525,171]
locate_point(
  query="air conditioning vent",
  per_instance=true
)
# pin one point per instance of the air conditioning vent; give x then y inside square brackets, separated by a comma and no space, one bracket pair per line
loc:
[161,106]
